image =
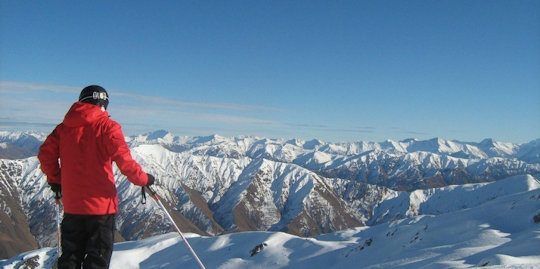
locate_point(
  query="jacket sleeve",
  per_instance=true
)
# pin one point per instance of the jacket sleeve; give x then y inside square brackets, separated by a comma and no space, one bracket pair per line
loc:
[117,148]
[49,154]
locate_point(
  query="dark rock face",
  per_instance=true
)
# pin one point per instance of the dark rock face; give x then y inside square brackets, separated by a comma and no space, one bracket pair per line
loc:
[258,248]
[15,236]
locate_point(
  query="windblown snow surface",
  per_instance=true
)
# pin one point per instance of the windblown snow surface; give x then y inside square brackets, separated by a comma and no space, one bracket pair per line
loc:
[490,225]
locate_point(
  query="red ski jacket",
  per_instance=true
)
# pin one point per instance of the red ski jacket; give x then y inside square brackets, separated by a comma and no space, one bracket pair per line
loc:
[79,153]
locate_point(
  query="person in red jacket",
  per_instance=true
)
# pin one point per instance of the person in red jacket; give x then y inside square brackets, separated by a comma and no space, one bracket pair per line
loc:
[77,160]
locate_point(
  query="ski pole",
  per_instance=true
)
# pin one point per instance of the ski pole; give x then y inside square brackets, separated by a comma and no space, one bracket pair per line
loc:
[58,202]
[154,196]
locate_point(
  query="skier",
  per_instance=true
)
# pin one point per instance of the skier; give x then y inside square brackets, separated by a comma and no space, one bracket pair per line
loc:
[77,160]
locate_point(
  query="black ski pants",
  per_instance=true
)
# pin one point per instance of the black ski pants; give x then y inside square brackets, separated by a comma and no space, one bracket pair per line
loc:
[87,241]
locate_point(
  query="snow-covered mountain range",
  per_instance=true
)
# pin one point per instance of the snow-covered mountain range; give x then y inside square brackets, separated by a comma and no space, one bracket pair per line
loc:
[18,145]
[214,185]
[405,165]
[494,225]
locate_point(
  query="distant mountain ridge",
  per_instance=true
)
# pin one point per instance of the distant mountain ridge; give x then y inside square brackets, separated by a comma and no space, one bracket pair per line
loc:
[487,148]
[19,145]
[405,165]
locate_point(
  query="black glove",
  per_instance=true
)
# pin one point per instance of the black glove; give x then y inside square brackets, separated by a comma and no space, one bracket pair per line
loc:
[144,189]
[151,180]
[57,189]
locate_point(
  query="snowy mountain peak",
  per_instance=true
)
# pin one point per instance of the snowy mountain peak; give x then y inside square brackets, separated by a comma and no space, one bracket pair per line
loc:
[158,134]
[313,144]
[407,140]
[21,137]
[494,148]
[434,145]
[18,145]
[210,138]
[438,140]
[295,142]
[487,142]
[154,151]
[395,146]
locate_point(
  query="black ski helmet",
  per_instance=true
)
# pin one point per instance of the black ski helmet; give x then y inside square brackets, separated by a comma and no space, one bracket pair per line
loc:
[96,95]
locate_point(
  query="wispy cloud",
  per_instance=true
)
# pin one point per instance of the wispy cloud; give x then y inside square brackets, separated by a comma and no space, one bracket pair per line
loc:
[156,100]
[366,127]
[407,131]
[4,123]
[44,105]
[38,104]
[20,87]
[328,128]
[168,114]
[305,125]
[233,119]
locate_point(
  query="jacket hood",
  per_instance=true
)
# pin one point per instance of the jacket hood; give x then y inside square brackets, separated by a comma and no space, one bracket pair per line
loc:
[83,114]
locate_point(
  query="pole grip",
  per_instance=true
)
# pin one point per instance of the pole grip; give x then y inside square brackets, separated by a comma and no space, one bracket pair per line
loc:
[150,191]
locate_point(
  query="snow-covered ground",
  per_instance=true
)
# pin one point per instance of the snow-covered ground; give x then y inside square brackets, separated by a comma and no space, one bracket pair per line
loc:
[500,232]
[311,185]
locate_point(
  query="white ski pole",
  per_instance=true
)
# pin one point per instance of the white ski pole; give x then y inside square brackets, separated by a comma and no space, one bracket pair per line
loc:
[154,195]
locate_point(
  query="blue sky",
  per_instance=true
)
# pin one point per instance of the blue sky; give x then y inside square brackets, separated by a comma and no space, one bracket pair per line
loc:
[333,70]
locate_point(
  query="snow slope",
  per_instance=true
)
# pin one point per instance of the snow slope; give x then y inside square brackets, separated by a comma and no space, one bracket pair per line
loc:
[496,233]
[448,199]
